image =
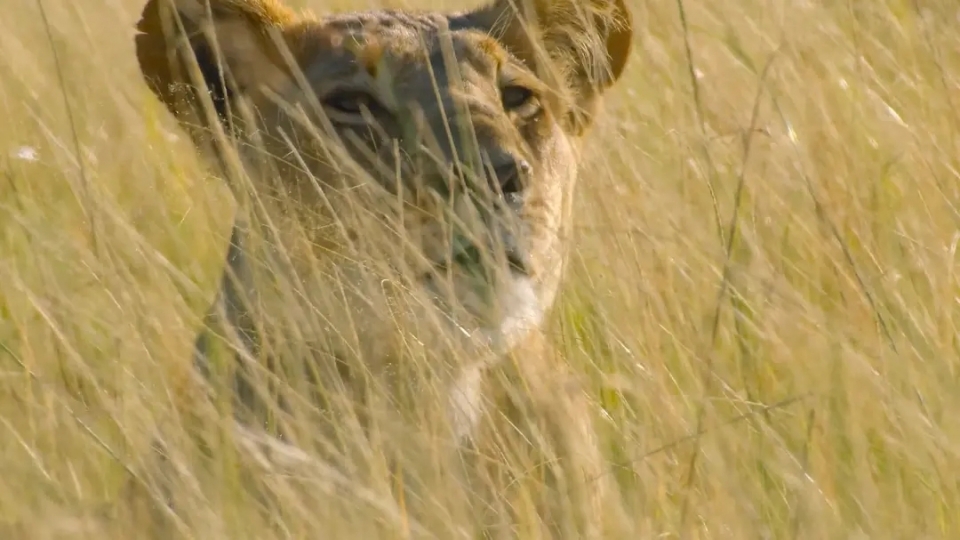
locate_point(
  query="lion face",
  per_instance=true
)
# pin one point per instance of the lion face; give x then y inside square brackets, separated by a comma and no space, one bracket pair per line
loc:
[460,133]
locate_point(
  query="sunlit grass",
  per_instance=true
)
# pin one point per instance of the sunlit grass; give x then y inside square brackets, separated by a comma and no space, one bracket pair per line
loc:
[817,357]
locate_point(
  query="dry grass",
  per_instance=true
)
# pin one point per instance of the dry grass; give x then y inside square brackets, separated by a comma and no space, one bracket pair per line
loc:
[765,291]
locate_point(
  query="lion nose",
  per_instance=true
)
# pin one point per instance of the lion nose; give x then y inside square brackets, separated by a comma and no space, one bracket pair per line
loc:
[510,176]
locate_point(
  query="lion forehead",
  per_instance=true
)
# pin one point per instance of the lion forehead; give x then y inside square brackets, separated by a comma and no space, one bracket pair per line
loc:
[405,43]
[389,19]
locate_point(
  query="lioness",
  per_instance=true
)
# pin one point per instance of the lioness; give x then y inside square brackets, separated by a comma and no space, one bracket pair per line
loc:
[393,154]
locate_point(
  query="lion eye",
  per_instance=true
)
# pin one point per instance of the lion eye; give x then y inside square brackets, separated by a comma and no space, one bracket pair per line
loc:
[514,97]
[351,102]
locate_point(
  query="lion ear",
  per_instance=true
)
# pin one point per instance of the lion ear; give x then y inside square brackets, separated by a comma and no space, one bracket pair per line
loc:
[583,43]
[234,45]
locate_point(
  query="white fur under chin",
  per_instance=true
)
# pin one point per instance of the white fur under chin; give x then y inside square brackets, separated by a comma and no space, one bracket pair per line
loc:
[524,311]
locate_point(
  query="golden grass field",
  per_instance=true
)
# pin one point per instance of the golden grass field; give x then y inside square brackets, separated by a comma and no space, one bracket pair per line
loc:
[765,291]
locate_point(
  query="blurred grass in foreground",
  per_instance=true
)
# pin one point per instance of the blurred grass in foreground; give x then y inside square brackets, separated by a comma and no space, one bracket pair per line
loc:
[818,360]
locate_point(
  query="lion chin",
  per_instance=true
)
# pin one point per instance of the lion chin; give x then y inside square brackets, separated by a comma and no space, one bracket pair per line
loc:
[491,318]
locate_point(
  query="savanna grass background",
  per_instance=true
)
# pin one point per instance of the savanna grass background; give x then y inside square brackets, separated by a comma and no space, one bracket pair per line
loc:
[765,290]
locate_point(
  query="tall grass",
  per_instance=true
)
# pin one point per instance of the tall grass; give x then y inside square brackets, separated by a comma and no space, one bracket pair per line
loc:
[764,294]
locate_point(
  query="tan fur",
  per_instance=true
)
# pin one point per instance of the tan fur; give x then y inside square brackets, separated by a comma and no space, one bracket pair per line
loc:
[421,177]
